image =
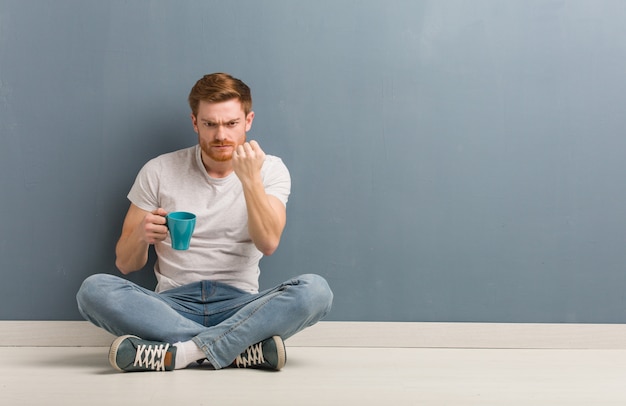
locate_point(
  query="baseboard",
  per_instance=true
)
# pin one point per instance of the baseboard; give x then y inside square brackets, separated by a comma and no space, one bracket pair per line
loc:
[360,334]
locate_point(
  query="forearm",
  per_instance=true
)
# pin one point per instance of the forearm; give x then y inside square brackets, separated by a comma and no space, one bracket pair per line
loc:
[266,214]
[141,228]
[266,217]
[131,254]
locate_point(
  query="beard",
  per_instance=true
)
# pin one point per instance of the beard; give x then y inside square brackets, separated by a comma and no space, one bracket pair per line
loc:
[220,156]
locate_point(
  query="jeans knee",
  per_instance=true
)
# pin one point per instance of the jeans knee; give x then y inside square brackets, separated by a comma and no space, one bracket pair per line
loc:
[91,291]
[319,296]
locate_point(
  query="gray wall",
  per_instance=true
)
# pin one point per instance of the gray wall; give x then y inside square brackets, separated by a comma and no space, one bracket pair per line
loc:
[451,160]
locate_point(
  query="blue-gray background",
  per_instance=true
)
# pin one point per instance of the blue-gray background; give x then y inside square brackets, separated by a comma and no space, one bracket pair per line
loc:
[451,160]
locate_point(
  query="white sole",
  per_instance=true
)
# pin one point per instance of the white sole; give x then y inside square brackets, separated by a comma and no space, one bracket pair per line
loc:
[282,354]
[113,350]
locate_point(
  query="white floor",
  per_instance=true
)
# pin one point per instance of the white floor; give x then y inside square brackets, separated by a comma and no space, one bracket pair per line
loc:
[325,376]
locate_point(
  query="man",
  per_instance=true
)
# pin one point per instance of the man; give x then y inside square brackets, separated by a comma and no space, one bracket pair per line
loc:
[206,305]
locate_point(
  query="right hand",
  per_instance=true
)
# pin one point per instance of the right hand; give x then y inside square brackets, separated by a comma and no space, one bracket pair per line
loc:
[153,226]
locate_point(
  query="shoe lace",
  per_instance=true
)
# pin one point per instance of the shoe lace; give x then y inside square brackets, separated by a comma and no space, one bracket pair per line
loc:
[252,356]
[151,356]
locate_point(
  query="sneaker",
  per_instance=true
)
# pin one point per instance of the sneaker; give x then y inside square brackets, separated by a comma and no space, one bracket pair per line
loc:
[132,354]
[269,354]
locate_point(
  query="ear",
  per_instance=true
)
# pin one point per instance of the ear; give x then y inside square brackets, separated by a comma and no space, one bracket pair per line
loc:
[249,120]
[194,121]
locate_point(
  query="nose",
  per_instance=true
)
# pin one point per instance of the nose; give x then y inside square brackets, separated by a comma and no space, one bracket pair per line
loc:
[220,134]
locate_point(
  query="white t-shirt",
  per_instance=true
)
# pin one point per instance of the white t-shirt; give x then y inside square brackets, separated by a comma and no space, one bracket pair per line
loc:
[221,248]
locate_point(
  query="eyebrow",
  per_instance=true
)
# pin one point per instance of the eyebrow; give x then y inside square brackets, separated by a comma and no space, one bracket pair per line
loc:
[206,120]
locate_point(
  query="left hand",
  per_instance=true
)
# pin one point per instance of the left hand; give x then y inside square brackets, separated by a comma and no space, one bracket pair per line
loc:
[248,160]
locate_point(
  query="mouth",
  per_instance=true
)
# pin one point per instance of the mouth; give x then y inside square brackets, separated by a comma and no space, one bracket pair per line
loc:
[222,146]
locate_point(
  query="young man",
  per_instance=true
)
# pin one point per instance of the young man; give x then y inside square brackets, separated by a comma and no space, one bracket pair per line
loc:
[206,305]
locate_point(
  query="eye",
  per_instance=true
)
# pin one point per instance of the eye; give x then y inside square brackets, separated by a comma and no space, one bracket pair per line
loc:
[209,124]
[232,123]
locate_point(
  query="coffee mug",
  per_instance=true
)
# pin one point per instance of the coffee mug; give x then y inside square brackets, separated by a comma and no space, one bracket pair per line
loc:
[181,225]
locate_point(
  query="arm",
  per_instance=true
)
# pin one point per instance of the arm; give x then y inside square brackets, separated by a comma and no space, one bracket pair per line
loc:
[141,229]
[267,215]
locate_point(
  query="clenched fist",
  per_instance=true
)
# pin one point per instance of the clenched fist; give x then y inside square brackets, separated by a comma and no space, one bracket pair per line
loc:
[248,160]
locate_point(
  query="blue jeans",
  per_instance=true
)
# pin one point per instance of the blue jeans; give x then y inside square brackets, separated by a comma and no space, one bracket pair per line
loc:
[223,321]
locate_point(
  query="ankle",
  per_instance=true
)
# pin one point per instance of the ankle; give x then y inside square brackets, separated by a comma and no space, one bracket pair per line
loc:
[187,353]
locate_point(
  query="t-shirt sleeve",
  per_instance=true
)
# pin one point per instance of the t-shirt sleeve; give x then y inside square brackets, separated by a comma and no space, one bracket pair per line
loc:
[276,179]
[143,193]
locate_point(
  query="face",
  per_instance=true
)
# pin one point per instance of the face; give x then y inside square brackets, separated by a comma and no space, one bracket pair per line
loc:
[221,127]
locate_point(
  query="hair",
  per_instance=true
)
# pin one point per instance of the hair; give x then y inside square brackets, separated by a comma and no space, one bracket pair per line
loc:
[220,87]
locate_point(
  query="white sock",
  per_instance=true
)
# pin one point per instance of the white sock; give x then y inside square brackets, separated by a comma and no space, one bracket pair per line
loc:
[187,353]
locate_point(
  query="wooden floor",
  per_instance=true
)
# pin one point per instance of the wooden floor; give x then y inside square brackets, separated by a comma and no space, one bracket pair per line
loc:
[334,363]
[325,376]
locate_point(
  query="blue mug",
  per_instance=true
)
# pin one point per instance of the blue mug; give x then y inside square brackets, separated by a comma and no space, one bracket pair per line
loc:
[181,225]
